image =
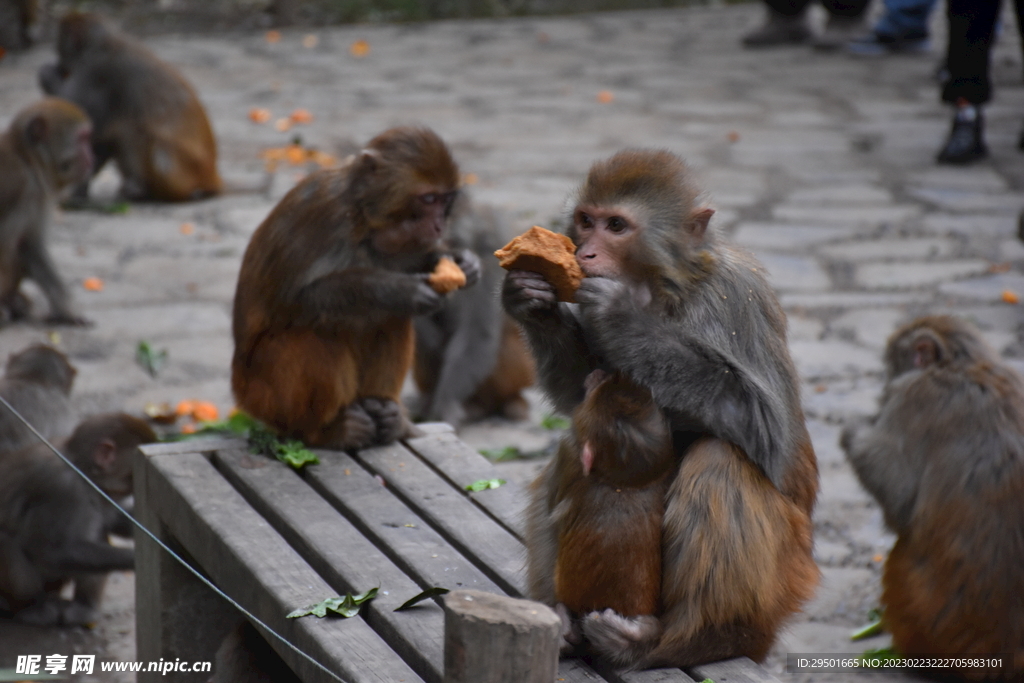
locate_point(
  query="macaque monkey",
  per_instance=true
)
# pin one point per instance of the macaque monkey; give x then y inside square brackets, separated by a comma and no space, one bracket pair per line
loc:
[677,310]
[146,116]
[45,150]
[37,383]
[16,18]
[54,526]
[944,457]
[328,288]
[471,359]
[613,469]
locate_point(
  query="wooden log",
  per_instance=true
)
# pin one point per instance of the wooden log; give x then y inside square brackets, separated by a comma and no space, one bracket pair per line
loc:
[739,670]
[492,638]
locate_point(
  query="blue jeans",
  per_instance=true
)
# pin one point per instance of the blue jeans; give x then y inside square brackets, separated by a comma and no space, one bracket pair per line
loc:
[905,19]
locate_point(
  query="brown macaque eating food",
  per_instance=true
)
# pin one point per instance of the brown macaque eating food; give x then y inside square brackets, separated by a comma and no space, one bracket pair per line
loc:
[54,526]
[679,311]
[944,457]
[45,150]
[37,383]
[471,359]
[328,288]
[614,475]
[145,115]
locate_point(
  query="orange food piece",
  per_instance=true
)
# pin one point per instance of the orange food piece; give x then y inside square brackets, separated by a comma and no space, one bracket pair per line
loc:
[283,125]
[733,136]
[295,154]
[188,429]
[310,41]
[93,284]
[259,115]
[273,37]
[185,407]
[605,96]
[322,159]
[360,48]
[447,276]
[301,116]
[1010,296]
[548,253]
[204,411]
[187,228]
[471,179]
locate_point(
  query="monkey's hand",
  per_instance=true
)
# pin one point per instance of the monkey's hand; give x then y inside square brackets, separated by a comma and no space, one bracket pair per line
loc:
[469,262]
[624,641]
[572,638]
[603,303]
[525,293]
[387,416]
[424,298]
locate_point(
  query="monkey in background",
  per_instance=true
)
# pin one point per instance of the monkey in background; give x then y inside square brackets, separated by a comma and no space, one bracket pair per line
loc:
[944,457]
[328,288]
[45,150]
[37,383]
[689,317]
[146,116]
[471,359]
[16,17]
[54,526]
[613,471]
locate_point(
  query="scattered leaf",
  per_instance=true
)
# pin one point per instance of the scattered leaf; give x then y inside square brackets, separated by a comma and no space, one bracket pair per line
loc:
[554,422]
[605,97]
[733,136]
[259,115]
[1010,297]
[273,37]
[161,413]
[501,454]
[301,116]
[283,125]
[471,179]
[420,597]
[93,284]
[345,607]
[872,629]
[310,41]
[360,48]
[484,484]
[120,207]
[708,680]
[296,454]
[187,228]
[54,337]
[149,359]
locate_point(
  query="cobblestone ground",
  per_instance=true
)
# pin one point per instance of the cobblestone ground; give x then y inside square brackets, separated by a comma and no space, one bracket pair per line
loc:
[821,164]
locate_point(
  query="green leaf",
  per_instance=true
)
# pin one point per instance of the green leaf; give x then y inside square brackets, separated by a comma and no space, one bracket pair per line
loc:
[872,629]
[295,454]
[708,680]
[484,484]
[150,360]
[345,607]
[554,422]
[420,597]
[501,454]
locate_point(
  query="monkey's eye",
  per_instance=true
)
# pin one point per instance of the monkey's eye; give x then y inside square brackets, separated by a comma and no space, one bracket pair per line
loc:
[617,224]
[585,221]
[430,198]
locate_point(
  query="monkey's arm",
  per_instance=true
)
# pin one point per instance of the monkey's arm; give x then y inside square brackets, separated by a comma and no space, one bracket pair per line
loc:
[360,291]
[554,334]
[80,555]
[697,384]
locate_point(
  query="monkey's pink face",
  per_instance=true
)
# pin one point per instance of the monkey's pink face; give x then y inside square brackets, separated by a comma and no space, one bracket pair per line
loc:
[603,237]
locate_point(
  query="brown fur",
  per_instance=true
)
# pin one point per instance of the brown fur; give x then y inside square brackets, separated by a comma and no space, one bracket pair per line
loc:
[945,459]
[328,285]
[147,117]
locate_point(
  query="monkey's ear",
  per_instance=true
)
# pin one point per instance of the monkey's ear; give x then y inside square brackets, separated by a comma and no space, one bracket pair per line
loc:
[927,351]
[36,129]
[105,454]
[368,160]
[699,221]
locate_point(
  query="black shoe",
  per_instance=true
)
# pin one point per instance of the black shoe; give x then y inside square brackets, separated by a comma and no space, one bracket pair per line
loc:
[965,143]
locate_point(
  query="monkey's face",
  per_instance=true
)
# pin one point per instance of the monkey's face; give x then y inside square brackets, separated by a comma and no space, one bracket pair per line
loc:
[75,164]
[605,238]
[419,226]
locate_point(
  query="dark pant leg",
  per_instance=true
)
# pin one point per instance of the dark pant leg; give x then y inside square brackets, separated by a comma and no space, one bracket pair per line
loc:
[971,27]
[845,8]
[788,8]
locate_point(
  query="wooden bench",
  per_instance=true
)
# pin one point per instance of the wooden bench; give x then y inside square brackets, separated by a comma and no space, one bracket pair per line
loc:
[398,517]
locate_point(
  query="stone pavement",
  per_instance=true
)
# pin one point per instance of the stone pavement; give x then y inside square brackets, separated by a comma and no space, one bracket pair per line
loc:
[821,164]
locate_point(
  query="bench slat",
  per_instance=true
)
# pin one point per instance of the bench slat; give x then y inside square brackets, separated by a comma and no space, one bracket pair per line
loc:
[473,533]
[341,554]
[738,670]
[406,538]
[241,553]
[461,465]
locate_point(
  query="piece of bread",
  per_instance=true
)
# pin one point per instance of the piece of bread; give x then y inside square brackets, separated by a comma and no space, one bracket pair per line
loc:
[548,253]
[447,276]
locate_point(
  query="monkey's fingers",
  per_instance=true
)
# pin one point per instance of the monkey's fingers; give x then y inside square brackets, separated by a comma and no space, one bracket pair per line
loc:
[425,299]
[469,262]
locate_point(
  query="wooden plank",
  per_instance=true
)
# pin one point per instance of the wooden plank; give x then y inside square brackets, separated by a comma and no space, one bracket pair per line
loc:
[461,466]
[739,670]
[198,445]
[654,676]
[241,553]
[340,553]
[405,537]
[473,533]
